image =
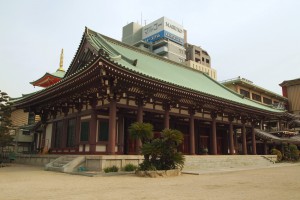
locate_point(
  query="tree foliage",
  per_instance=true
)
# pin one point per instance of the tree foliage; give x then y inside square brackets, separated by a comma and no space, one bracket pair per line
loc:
[159,153]
[5,124]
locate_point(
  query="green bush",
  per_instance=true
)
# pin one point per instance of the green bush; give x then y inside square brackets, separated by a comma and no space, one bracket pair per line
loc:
[160,153]
[111,169]
[130,167]
[278,153]
[290,152]
[294,152]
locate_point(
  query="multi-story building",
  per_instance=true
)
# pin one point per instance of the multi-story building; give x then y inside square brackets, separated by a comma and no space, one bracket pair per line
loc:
[163,37]
[199,59]
[168,39]
[291,90]
[256,93]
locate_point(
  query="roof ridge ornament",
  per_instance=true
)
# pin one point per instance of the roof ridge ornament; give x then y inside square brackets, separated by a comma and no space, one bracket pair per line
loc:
[61,61]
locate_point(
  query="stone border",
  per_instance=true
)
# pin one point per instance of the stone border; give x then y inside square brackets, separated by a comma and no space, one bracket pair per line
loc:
[159,173]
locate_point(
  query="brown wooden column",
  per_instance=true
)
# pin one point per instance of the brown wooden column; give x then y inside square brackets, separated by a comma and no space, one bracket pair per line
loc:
[112,127]
[93,131]
[166,107]
[265,147]
[192,131]
[214,133]
[140,120]
[253,138]
[77,132]
[244,139]
[93,126]
[121,134]
[231,142]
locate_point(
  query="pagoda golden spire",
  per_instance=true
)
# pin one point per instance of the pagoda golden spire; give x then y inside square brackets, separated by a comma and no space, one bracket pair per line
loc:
[61,62]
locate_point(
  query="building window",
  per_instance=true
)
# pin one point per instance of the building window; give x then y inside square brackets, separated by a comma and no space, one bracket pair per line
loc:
[256,97]
[31,118]
[103,130]
[202,59]
[84,131]
[207,61]
[71,133]
[58,134]
[267,100]
[245,93]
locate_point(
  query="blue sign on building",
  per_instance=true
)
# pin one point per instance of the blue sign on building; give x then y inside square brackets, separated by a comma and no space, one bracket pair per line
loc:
[164,34]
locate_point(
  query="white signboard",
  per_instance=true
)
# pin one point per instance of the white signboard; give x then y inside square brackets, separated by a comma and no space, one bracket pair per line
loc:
[163,28]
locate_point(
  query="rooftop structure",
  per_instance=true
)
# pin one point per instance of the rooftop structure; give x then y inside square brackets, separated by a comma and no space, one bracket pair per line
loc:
[168,39]
[291,90]
[51,78]
[256,93]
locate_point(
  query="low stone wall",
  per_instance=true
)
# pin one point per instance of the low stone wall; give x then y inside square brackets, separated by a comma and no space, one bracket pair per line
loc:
[98,163]
[35,159]
[91,163]
[159,173]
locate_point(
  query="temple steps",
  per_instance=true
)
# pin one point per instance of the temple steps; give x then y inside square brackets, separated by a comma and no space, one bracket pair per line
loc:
[224,162]
[68,163]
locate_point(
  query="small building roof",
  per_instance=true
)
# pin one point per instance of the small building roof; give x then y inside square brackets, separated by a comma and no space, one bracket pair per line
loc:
[249,84]
[290,82]
[51,78]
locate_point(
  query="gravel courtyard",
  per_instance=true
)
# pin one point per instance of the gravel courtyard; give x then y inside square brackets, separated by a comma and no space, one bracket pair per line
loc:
[28,182]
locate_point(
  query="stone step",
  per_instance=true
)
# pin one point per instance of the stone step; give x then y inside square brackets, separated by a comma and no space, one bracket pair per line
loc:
[230,161]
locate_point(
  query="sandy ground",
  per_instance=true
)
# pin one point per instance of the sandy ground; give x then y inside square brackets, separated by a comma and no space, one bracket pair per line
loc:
[27,182]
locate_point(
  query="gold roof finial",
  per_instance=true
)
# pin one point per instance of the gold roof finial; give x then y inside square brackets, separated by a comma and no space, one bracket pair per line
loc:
[61,62]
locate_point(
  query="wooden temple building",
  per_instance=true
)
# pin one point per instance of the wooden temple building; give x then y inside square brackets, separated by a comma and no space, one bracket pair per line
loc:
[110,85]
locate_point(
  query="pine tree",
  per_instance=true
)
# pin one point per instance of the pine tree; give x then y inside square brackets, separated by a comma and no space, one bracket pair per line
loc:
[5,122]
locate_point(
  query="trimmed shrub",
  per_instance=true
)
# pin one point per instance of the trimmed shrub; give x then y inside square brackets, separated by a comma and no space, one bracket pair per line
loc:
[278,153]
[111,169]
[294,152]
[130,167]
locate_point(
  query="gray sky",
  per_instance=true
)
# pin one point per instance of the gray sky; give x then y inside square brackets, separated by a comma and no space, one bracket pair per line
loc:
[255,39]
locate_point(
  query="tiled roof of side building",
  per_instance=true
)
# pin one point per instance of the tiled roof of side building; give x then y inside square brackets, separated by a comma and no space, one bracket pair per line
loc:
[168,71]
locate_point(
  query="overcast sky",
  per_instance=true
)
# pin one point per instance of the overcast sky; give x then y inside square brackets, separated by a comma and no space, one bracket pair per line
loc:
[255,39]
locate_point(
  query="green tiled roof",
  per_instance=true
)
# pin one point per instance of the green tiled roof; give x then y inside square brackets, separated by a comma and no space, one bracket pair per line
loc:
[168,71]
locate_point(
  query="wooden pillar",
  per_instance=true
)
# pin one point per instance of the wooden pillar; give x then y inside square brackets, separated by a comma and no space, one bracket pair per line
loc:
[93,126]
[121,134]
[244,139]
[192,131]
[77,132]
[231,141]
[93,131]
[140,120]
[112,127]
[214,134]
[253,139]
[166,107]
[265,147]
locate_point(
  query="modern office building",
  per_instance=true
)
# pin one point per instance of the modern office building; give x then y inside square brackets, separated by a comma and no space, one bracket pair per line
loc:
[168,39]
[163,37]
[197,58]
